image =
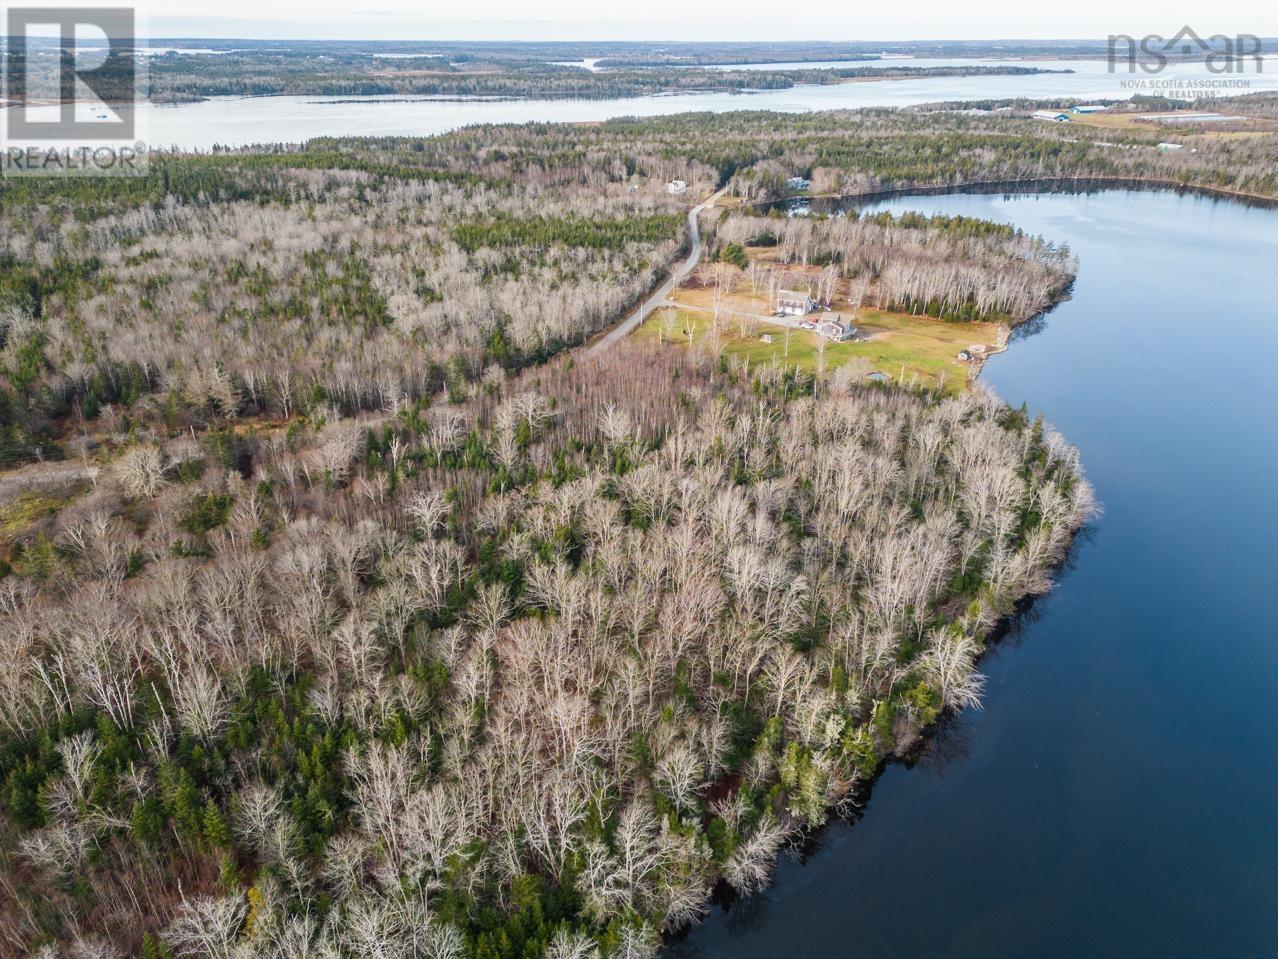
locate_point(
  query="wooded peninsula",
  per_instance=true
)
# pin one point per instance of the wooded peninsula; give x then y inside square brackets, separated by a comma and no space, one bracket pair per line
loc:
[349,608]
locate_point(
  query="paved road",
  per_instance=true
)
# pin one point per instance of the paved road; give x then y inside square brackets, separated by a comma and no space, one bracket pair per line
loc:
[658,298]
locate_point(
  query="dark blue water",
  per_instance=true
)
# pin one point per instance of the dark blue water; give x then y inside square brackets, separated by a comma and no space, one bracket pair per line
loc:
[1118,795]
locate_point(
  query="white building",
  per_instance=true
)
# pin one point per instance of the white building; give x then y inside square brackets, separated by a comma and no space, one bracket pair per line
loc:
[1089,108]
[794,303]
[1054,116]
[1190,118]
[798,183]
[676,186]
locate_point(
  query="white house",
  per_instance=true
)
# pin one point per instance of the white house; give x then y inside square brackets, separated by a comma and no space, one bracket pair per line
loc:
[794,303]
[1054,116]
[797,183]
[676,186]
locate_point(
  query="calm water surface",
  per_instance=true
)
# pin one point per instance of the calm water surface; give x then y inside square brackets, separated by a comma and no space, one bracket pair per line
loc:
[1118,795]
[245,120]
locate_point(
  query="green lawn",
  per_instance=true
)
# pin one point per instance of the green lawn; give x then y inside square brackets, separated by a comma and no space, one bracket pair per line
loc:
[900,345]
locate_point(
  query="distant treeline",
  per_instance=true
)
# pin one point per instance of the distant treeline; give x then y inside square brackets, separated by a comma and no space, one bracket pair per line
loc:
[276,72]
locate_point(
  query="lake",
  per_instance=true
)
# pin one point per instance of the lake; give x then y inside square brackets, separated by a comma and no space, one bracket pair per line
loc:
[1118,794]
[236,121]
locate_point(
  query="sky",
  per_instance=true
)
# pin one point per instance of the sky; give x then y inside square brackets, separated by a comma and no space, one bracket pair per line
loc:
[707,20]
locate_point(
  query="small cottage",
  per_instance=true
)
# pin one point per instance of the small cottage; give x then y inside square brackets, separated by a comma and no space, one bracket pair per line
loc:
[836,329]
[676,186]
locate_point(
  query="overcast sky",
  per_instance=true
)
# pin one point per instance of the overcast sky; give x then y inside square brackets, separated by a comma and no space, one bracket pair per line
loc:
[707,20]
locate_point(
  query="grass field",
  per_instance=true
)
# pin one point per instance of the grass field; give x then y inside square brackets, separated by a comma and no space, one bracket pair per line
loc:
[907,348]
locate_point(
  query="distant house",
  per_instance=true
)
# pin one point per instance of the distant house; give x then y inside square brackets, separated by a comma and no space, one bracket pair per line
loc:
[676,186]
[1089,108]
[798,183]
[836,329]
[1053,116]
[793,303]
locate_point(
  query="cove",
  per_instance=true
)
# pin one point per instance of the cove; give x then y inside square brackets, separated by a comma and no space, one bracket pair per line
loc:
[1118,794]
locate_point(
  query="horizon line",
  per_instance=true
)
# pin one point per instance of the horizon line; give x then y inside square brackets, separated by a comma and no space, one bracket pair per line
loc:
[232,38]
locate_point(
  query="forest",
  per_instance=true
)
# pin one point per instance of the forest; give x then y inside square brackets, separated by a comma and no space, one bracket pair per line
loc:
[851,153]
[175,78]
[181,70]
[517,675]
[347,609]
[256,284]
[362,271]
[875,151]
[952,268]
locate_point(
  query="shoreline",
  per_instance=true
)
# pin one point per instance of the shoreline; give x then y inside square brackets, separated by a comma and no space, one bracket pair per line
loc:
[851,807]
[1057,184]
[792,905]
[796,82]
